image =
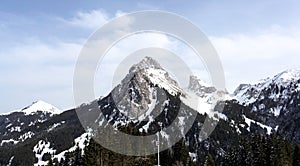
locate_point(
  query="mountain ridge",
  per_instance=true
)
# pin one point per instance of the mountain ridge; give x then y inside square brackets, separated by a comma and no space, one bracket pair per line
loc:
[287,75]
[62,134]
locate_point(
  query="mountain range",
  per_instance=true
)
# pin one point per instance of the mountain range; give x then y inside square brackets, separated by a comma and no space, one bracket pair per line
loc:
[149,100]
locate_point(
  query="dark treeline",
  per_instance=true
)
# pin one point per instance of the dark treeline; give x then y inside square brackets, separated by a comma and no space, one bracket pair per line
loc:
[270,150]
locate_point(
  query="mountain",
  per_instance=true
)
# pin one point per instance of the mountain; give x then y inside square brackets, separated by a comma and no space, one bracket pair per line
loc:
[279,87]
[274,102]
[34,126]
[199,87]
[18,120]
[135,94]
[36,107]
[149,100]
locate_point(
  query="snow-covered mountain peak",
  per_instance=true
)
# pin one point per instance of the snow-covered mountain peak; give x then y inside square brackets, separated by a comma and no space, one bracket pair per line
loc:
[136,94]
[37,106]
[194,80]
[40,106]
[288,76]
[150,70]
[200,87]
[275,87]
[196,83]
[146,63]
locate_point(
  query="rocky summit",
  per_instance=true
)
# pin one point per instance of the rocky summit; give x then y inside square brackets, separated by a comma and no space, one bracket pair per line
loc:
[258,124]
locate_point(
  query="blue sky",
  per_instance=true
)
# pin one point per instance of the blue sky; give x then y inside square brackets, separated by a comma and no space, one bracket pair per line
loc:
[41,40]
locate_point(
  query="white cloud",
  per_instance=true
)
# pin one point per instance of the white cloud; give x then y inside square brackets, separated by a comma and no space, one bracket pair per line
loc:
[124,49]
[43,70]
[91,20]
[36,71]
[120,13]
[250,57]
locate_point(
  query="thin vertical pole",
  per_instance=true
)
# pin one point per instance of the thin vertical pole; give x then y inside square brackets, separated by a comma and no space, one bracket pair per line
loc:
[158,159]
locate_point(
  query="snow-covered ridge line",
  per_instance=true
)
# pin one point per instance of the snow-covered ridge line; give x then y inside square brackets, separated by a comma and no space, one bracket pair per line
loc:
[153,72]
[160,77]
[249,93]
[288,75]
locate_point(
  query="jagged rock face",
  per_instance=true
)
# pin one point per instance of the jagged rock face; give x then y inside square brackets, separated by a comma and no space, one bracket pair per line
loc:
[146,63]
[148,96]
[240,89]
[134,96]
[199,87]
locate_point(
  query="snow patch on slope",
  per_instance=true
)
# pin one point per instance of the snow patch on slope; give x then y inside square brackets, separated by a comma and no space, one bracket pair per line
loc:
[55,125]
[202,105]
[10,161]
[15,129]
[25,136]
[249,121]
[81,142]
[160,78]
[41,148]
[8,141]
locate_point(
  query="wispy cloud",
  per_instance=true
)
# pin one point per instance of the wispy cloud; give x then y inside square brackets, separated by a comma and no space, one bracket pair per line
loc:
[38,71]
[90,19]
[250,57]
[40,68]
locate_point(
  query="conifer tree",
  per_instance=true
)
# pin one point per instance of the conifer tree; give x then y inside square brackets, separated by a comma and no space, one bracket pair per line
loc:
[209,160]
[296,155]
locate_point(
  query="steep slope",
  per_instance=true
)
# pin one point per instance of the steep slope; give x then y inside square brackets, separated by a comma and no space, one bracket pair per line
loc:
[146,101]
[149,100]
[33,143]
[21,130]
[277,88]
[135,95]
[274,102]
[146,96]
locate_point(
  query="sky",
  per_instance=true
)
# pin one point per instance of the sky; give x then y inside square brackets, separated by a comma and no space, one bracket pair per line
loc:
[40,41]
